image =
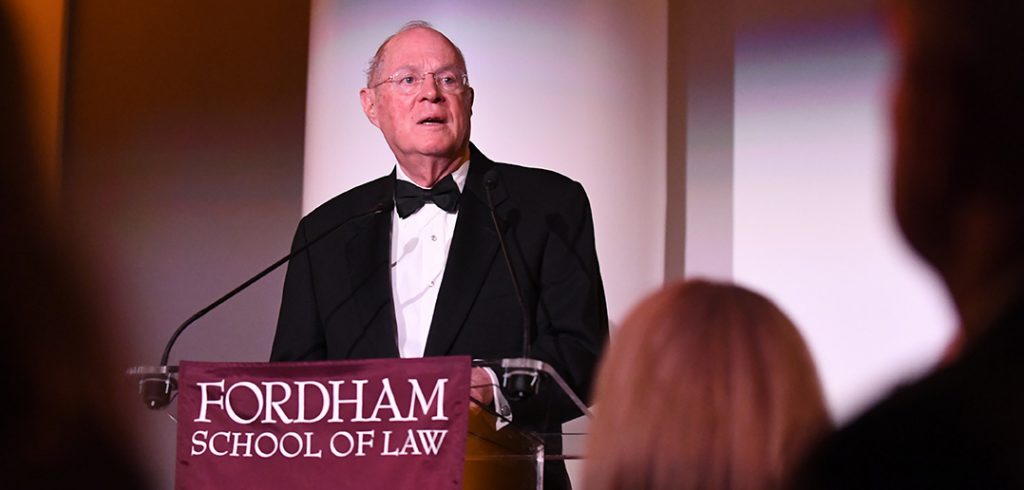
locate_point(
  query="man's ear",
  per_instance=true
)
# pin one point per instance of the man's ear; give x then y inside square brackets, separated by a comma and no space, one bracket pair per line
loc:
[471,96]
[369,100]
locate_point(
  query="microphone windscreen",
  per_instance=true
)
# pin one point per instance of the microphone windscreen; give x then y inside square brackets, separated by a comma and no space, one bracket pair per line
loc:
[157,391]
[491,178]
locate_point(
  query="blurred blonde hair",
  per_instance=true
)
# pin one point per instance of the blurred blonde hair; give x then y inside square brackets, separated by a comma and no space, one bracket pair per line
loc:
[706,386]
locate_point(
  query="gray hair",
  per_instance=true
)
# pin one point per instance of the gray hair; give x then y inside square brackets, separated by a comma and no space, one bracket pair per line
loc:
[378,57]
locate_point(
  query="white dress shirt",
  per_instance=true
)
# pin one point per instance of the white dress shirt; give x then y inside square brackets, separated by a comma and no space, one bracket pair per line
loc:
[419,251]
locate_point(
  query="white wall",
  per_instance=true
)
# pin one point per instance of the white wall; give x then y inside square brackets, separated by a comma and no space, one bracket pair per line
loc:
[574,86]
[812,226]
[579,87]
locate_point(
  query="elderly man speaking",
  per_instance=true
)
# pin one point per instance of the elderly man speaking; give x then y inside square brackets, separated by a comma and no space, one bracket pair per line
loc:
[429,278]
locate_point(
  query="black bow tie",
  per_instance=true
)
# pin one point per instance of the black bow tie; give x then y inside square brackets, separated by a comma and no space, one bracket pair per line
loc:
[409,197]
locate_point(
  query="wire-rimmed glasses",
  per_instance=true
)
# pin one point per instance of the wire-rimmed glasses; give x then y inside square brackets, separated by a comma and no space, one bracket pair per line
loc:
[408,82]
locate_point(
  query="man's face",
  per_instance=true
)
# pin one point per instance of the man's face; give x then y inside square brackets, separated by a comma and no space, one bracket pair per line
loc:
[429,121]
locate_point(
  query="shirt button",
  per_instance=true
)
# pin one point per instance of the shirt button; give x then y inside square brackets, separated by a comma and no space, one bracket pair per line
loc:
[433,238]
[431,283]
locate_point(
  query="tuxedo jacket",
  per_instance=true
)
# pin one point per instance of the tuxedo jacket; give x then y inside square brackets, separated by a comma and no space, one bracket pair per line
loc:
[338,304]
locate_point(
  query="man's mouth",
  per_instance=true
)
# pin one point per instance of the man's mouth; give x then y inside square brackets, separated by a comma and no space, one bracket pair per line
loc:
[432,120]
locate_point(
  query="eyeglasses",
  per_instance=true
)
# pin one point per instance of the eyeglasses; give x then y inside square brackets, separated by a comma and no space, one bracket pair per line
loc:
[409,82]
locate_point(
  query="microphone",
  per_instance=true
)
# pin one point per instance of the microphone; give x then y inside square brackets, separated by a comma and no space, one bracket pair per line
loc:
[521,383]
[158,384]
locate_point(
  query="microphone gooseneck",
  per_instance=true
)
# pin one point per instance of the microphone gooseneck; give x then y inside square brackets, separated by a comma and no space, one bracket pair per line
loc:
[518,384]
[157,388]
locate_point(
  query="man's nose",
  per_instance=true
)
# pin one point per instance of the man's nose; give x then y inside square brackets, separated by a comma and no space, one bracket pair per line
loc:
[428,89]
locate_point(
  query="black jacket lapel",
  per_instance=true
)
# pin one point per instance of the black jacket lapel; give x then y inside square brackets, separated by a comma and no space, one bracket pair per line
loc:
[473,249]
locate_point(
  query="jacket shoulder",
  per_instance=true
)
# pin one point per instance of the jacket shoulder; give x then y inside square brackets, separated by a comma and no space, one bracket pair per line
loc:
[531,183]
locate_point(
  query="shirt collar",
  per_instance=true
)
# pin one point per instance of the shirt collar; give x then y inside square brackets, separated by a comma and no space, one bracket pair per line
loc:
[459,175]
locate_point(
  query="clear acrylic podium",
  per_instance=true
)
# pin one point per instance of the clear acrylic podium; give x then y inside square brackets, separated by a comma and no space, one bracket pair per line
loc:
[513,458]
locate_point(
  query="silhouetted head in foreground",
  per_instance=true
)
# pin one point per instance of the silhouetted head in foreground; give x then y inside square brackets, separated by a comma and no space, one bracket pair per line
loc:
[958,186]
[62,424]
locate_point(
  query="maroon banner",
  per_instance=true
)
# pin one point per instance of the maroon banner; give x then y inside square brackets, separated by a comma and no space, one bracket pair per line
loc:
[382,423]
